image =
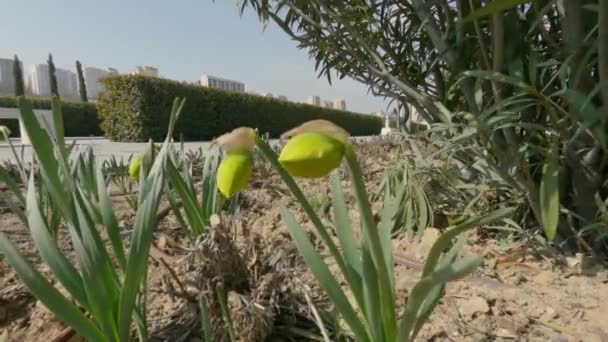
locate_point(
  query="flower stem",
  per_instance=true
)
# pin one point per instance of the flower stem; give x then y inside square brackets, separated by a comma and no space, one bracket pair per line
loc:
[269,154]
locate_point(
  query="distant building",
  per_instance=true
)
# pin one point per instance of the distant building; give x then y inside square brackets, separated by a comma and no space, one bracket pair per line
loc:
[145,70]
[340,104]
[39,83]
[379,114]
[7,79]
[67,82]
[282,98]
[92,77]
[269,95]
[314,100]
[39,80]
[328,104]
[221,83]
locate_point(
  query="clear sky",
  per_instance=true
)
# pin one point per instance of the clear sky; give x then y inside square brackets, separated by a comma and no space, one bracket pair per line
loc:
[183,38]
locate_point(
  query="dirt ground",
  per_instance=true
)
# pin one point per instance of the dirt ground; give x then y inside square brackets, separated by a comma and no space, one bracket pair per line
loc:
[521,293]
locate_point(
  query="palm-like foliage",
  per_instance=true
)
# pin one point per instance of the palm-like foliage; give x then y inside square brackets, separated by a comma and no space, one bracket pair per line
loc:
[523,80]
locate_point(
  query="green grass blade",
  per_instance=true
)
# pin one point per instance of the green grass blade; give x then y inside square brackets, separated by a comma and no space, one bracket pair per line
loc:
[48,295]
[67,275]
[324,276]
[549,194]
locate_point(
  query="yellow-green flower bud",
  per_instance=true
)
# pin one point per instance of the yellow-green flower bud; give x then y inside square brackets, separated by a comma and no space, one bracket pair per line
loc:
[4,133]
[312,155]
[135,166]
[234,172]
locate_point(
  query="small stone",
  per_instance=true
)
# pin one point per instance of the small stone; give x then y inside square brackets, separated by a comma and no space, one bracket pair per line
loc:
[549,314]
[559,338]
[474,305]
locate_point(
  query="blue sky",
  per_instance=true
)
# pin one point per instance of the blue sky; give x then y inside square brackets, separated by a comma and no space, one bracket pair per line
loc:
[182,38]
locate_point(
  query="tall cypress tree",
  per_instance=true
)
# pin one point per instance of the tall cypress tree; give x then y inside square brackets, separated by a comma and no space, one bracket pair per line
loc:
[52,77]
[18,77]
[82,88]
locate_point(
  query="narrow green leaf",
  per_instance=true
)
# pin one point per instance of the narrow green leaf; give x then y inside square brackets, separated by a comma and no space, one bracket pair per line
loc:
[221,298]
[324,275]
[137,262]
[43,146]
[99,279]
[205,320]
[371,234]
[109,220]
[426,285]
[343,225]
[67,275]
[12,185]
[443,242]
[188,198]
[494,7]
[48,295]
[549,193]
[371,294]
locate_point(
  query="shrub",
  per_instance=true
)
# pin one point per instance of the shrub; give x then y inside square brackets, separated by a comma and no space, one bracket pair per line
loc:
[79,119]
[134,108]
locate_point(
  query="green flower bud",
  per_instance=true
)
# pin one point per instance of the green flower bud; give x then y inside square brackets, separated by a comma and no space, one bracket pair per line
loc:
[312,155]
[234,172]
[135,166]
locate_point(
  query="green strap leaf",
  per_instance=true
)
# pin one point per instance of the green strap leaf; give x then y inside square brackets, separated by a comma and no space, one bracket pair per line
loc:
[324,276]
[549,194]
[48,295]
[49,252]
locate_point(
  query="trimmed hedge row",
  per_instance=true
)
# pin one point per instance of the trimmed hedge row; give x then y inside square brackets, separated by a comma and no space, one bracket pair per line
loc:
[79,119]
[137,108]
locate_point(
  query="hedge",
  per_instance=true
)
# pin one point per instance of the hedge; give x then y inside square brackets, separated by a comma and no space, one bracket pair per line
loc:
[79,119]
[137,108]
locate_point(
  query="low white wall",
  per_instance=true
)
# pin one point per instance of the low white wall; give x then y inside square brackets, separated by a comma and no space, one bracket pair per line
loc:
[44,117]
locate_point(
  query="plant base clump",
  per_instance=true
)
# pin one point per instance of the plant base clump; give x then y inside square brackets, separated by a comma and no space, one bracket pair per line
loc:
[263,282]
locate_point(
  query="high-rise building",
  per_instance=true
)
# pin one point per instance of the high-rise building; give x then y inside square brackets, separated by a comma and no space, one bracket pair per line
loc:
[268,95]
[328,104]
[92,77]
[39,80]
[7,79]
[145,70]
[221,83]
[314,100]
[340,104]
[67,83]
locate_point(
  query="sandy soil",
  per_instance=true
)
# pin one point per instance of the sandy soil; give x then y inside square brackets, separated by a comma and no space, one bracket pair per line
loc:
[521,293]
